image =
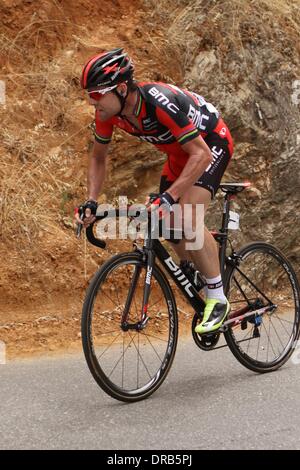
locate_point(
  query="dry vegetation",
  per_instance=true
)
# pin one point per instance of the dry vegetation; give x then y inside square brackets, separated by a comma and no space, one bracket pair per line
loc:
[37,134]
[45,136]
[45,122]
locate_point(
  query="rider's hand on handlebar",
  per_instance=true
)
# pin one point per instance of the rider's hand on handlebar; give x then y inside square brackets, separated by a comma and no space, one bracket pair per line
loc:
[162,202]
[85,214]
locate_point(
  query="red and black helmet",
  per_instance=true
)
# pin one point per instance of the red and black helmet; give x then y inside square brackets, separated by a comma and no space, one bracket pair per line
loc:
[106,69]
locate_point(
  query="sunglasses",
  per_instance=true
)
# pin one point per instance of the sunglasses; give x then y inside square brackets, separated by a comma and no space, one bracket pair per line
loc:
[97,94]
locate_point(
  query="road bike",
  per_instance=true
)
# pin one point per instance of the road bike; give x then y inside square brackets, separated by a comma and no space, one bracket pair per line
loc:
[130,314]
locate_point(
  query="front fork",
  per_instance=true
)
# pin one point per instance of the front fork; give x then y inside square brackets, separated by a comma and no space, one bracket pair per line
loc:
[147,288]
[140,325]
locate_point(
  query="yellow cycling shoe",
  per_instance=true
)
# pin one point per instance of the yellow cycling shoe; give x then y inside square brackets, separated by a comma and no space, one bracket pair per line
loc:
[215,313]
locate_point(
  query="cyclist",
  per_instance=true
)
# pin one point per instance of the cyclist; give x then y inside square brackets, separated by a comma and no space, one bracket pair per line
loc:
[178,122]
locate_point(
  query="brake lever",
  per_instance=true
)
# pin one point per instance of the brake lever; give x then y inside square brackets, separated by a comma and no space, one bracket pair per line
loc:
[79,227]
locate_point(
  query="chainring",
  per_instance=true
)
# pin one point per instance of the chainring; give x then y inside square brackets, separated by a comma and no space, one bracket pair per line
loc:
[206,342]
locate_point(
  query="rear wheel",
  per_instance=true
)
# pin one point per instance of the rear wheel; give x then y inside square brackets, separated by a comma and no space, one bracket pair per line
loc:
[264,277]
[128,365]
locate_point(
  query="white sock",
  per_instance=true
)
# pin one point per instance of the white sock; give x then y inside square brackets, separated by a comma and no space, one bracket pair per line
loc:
[214,289]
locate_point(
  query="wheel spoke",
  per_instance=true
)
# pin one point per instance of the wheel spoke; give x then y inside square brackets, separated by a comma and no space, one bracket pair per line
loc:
[120,358]
[270,340]
[155,303]
[153,348]
[109,346]
[109,332]
[282,324]
[141,359]
[106,295]
[276,333]
[251,336]
[156,337]
[258,344]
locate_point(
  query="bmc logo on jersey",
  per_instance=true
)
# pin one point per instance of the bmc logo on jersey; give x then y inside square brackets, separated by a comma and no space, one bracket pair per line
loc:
[161,98]
[164,138]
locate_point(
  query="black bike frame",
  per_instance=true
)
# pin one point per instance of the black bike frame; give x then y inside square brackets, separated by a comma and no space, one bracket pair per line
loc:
[153,248]
[180,279]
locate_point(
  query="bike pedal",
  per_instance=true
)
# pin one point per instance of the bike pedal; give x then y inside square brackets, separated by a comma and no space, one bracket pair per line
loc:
[244,325]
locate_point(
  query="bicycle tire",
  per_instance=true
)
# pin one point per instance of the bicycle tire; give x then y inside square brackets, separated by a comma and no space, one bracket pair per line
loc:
[95,368]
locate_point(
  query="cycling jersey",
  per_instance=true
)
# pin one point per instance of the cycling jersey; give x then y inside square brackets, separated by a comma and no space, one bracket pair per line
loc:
[168,118]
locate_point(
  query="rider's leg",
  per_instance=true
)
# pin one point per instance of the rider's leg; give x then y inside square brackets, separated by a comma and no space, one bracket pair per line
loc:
[180,250]
[206,259]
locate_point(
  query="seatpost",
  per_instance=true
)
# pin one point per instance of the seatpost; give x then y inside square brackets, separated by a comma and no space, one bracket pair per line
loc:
[224,231]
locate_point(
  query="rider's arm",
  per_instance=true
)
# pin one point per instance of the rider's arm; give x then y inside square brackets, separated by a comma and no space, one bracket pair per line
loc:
[97,161]
[97,166]
[188,136]
[96,169]
[95,178]
[199,159]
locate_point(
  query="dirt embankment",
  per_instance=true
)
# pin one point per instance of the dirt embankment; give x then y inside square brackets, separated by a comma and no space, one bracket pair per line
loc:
[45,141]
[241,55]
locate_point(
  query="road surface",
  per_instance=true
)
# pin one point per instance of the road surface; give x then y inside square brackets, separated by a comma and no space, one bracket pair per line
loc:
[208,401]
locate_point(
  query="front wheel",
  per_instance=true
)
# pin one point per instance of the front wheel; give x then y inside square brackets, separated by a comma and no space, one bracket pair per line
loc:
[263,277]
[128,365]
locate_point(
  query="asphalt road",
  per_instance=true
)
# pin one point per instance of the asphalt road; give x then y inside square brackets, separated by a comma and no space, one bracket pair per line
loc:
[208,401]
